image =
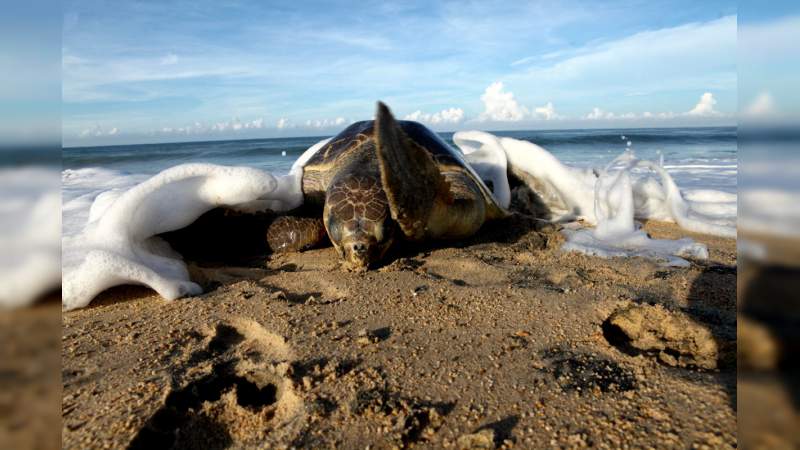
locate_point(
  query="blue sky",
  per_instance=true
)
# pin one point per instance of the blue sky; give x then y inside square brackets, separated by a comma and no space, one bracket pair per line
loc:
[30,82]
[178,71]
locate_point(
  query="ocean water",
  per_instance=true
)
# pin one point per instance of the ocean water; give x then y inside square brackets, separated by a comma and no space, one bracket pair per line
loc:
[697,158]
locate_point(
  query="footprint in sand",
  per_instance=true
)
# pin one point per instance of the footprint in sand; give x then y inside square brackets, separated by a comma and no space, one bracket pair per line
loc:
[235,392]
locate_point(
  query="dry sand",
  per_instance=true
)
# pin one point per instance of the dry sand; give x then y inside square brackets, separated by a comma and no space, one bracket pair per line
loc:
[501,341]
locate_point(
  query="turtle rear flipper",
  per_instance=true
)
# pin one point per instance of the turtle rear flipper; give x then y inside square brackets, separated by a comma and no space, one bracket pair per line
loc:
[293,233]
[410,176]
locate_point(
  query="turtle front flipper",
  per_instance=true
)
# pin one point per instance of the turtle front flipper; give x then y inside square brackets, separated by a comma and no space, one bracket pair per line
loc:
[410,176]
[293,233]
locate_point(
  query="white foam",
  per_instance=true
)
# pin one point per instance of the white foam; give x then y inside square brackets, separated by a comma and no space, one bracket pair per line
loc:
[610,199]
[769,186]
[81,187]
[30,251]
[488,159]
[633,243]
[751,249]
[567,191]
[113,220]
[617,235]
[118,244]
[770,212]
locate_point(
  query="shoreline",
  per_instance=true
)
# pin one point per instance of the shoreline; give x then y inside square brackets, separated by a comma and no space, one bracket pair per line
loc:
[501,338]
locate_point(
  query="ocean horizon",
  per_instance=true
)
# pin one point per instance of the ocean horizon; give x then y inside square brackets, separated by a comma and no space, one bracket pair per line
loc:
[450,132]
[578,147]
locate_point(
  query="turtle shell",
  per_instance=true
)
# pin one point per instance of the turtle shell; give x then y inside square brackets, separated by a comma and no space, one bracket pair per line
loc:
[359,133]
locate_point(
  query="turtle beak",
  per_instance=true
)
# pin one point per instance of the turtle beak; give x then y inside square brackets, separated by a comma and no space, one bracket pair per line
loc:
[358,256]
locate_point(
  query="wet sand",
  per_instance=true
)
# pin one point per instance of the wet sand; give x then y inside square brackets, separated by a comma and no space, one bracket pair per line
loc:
[768,339]
[499,341]
[30,358]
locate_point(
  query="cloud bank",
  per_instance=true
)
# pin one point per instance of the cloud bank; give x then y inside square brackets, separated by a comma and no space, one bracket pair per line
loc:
[703,108]
[447,116]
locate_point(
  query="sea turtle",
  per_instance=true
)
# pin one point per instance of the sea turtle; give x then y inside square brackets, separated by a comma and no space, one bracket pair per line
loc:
[380,181]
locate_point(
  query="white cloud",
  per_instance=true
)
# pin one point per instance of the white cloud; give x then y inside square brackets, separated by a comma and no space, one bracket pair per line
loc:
[446,116]
[234,125]
[98,131]
[657,60]
[598,114]
[198,128]
[417,116]
[452,115]
[704,107]
[525,60]
[170,59]
[767,42]
[501,106]
[763,105]
[546,112]
[326,123]
[237,125]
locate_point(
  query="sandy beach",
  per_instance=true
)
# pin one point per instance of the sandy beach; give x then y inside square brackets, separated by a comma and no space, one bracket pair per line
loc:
[499,341]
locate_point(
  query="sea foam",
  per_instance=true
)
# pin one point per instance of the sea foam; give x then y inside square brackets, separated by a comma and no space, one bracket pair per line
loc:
[30,254]
[609,198]
[119,244]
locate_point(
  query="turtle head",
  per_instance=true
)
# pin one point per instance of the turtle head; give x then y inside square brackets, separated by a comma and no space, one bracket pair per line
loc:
[358,221]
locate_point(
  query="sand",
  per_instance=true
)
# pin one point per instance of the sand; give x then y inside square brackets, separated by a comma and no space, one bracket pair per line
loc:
[768,338]
[500,341]
[30,358]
